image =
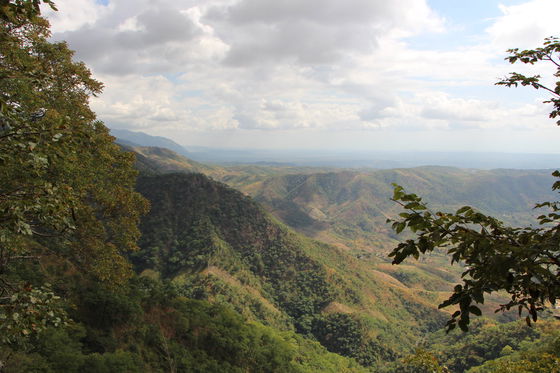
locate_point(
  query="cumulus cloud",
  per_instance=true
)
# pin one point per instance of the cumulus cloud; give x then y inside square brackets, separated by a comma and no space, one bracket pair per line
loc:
[243,32]
[315,65]
[74,14]
[461,113]
[314,31]
[125,102]
[442,106]
[141,37]
[525,25]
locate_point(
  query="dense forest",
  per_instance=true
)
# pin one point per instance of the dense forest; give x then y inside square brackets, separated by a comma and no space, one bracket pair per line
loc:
[128,258]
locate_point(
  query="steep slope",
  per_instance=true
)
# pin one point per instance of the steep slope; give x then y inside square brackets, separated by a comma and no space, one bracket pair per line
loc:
[217,244]
[146,325]
[348,208]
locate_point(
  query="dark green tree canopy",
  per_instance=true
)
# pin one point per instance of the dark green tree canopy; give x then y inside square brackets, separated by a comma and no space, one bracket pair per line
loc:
[523,261]
[66,190]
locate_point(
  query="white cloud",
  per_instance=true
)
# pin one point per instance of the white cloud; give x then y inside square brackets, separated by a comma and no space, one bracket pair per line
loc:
[315,65]
[130,24]
[74,14]
[314,31]
[438,105]
[140,102]
[525,25]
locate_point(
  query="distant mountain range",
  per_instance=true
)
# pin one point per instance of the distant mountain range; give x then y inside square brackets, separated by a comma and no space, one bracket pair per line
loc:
[348,207]
[133,138]
[214,243]
[344,159]
[260,249]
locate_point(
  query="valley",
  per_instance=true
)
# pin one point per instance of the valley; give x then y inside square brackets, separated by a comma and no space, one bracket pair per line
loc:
[338,218]
[267,245]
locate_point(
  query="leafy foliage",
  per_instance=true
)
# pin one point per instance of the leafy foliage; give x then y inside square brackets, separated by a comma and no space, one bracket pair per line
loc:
[146,326]
[487,347]
[524,262]
[66,191]
[490,345]
[549,52]
[346,335]
[421,361]
[29,311]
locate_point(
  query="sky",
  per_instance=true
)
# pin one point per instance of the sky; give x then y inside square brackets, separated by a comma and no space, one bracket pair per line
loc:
[399,75]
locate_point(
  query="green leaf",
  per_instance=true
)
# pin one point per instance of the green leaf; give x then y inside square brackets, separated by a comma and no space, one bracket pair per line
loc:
[464,325]
[475,310]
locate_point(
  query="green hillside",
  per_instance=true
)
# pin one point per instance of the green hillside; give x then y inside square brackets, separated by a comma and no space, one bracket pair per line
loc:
[224,287]
[349,208]
[488,347]
[214,243]
[102,271]
[146,325]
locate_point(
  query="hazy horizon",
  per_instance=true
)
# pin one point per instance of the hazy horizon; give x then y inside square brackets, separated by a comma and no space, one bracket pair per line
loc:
[347,158]
[378,159]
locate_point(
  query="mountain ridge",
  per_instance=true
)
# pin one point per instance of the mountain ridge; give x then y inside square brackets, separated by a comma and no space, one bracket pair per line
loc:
[137,138]
[218,244]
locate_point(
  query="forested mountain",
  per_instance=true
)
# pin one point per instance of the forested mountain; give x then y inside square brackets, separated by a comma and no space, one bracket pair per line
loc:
[203,236]
[105,271]
[224,287]
[349,208]
[217,244]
